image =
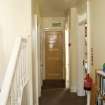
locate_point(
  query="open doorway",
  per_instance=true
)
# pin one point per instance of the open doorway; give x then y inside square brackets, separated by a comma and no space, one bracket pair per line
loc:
[54,60]
[56,67]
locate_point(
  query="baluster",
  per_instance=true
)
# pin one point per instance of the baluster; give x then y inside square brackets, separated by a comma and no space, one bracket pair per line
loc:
[22,64]
[25,65]
[23,61]
[21,76]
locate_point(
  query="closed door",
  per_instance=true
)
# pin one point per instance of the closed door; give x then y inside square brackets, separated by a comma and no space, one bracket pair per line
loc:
[54,55]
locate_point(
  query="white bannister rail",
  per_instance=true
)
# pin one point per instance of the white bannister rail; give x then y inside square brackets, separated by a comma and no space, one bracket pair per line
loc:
[16,76]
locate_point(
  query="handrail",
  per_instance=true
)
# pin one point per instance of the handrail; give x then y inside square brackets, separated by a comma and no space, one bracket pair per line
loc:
[7,82]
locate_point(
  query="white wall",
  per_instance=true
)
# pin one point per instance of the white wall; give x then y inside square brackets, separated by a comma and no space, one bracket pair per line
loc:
[15,20]
[82,20]
[81,7]
[81,57]
[36,33]
[73,40]
[98,32]
[67,50]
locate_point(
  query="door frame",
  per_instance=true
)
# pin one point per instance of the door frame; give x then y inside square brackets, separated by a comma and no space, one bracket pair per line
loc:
[44,74]
[82,20]
[36,60]
[67,53]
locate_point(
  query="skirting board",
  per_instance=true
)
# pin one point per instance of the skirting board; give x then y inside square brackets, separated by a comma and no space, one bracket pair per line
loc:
[81,93]
[73,89]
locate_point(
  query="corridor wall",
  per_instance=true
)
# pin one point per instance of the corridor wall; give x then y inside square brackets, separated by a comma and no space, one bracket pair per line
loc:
[15,21]
[97,17]
[73,40]
[36,53]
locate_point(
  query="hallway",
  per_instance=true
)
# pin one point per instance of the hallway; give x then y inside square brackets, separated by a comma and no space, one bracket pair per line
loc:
[60,96]
[59,58]
[52,40]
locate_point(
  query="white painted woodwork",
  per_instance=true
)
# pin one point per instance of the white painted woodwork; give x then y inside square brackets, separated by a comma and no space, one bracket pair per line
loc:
[82,19]
[67,52]
[16,76]
[81,52]
[89,45]
[74,49]
[36,61]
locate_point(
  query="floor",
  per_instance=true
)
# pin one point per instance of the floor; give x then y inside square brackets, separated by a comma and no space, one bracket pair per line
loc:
[48,84]
[60,96]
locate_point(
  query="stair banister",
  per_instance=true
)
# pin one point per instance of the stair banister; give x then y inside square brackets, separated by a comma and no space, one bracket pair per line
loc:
[11,71]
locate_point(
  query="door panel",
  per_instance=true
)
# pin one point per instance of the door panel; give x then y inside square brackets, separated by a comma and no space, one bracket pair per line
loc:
[54,54]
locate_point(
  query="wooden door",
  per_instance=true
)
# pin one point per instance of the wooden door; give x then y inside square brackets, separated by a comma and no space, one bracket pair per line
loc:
[54,55]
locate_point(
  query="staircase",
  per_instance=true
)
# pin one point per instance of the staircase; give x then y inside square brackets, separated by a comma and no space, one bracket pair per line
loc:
[17,75]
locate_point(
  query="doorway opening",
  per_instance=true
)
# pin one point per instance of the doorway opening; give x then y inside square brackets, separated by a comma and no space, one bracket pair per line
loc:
[55,90]
[54,62]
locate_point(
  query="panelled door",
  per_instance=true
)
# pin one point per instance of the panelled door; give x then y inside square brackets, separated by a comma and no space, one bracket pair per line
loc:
[54,55]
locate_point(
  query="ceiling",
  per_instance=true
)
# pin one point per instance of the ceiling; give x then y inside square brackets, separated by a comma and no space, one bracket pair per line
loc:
[55,8]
